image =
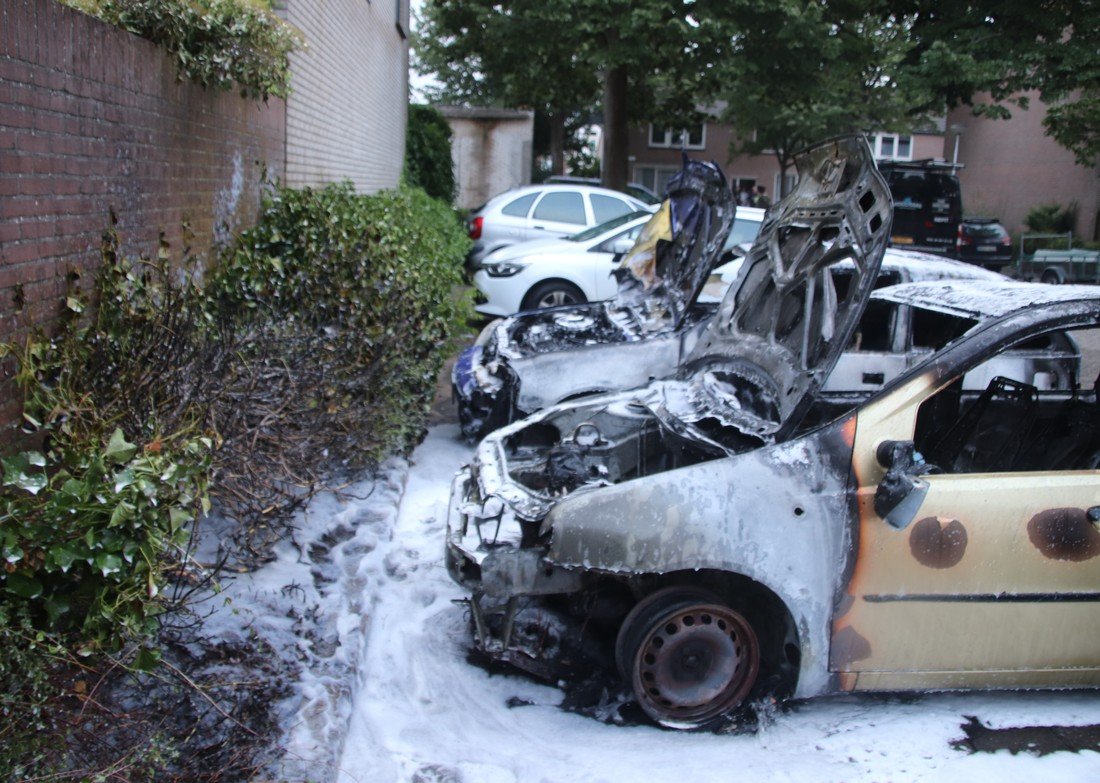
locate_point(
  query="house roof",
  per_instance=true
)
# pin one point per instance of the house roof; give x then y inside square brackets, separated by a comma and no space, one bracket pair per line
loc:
[484,113]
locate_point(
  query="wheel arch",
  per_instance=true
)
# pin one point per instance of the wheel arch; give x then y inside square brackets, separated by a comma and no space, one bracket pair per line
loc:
[777,629]
[527,302]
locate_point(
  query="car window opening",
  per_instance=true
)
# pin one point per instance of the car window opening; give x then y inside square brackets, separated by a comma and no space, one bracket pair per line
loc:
[1030,416]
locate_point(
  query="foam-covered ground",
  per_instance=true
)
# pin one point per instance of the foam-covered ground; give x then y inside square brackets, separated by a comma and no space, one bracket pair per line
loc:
[420,712]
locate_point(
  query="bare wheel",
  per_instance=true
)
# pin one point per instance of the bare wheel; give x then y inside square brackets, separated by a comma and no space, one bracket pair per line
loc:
[553,293]
[1050,277]
[688,658]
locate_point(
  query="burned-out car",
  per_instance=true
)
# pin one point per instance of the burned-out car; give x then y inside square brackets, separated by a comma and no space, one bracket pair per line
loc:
[732,533]
[655,308]
[508,375]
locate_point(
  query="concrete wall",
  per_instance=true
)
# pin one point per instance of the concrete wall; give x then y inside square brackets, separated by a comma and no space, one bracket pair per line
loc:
[491,150]
[1012,166]
[93,119]
[346,115]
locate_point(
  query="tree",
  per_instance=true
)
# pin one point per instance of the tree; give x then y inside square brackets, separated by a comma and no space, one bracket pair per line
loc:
[428,162]
[989,53]
[800,72]
[648,59]
[519,53]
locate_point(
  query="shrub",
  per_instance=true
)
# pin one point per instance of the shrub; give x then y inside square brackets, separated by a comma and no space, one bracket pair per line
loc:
[1052,219]
[92,522]
[219,43]
[365,290]
[428,162]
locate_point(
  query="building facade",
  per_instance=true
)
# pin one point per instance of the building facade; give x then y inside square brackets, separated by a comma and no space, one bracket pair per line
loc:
[346,115]
[491,150]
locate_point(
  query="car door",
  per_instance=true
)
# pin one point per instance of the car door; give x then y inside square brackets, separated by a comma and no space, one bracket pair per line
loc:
[995,580]
[559,213]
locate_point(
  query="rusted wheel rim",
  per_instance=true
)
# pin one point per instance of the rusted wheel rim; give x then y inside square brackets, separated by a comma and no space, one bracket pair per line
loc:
[696,663]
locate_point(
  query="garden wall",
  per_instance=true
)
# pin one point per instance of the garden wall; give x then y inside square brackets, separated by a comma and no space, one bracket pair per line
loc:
[94,120]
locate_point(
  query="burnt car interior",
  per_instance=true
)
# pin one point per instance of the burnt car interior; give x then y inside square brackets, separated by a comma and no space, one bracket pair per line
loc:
[1045,418]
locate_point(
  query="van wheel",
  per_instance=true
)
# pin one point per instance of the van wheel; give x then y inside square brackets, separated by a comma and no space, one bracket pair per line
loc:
[553,293]
[688,658]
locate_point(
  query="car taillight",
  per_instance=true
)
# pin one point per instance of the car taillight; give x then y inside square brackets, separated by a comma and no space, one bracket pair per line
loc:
[963,239]
[1006,240]
[475,227]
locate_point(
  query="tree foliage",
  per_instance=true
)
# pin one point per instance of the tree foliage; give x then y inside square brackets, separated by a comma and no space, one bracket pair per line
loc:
[428,162]
[991,54]
[800,72]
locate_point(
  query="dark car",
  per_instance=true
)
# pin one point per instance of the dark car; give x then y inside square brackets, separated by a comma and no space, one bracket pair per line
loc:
[927,205]
[983,241]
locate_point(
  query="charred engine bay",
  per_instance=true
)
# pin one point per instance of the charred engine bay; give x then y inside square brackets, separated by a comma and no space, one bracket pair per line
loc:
[618,438]
[554,330]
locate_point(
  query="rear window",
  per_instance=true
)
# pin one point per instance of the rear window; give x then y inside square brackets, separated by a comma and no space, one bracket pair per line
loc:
[605,208]
[937,194]
[519,207]
[561,208]
[984,230]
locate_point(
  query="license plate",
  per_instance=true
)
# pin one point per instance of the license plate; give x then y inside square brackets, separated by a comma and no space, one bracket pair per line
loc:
[901,240]
[987,249]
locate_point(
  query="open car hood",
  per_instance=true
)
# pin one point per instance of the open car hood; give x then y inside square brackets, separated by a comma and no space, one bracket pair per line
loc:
[783,324]
[664,273]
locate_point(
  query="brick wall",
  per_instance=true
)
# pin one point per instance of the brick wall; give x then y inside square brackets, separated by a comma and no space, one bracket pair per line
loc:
[346,115]
[94,119]
[1012,166]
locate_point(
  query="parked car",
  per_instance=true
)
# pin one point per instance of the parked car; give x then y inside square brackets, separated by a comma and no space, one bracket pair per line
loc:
[539,211]
[637,190]
[580,268]
[983,241]
[716,545]
[927,204]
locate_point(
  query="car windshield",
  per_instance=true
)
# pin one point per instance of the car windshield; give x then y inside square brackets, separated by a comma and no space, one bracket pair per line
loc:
[595,231]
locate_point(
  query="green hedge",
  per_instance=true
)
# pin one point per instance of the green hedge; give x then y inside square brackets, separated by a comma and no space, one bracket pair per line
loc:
[428,162]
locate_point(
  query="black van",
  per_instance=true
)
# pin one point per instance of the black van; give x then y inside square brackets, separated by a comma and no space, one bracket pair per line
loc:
[927,204]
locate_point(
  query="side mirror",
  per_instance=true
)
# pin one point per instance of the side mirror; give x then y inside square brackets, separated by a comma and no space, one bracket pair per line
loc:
[622,245]
[901,492]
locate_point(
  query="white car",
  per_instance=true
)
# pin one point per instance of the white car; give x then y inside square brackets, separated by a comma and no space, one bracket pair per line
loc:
[542,211]
[577,269]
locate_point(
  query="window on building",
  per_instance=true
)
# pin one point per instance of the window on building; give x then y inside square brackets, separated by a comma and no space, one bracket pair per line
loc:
[693,137]
[892,146]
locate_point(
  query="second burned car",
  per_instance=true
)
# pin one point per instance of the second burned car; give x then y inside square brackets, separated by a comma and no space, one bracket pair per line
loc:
[719,546]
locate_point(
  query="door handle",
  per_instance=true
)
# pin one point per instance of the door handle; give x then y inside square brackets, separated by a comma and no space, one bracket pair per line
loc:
[540,228]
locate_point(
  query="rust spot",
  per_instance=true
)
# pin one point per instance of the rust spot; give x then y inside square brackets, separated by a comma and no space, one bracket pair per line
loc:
[1064,534]
[848,647]
[936,544]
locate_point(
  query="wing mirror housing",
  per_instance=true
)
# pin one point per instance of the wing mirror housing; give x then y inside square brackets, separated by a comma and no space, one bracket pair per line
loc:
[901,492]
[622,245]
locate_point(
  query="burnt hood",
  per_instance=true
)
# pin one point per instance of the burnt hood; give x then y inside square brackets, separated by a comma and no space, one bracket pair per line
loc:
[676,250]
[786,318]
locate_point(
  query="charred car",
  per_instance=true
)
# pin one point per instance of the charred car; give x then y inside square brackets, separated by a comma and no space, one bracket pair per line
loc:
[731,533]
[509,374]
[656,308]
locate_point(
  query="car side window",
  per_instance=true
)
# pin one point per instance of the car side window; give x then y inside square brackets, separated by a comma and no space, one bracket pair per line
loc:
[605,208]
[1020,410]
[608,245]
[561,207]
[520,206]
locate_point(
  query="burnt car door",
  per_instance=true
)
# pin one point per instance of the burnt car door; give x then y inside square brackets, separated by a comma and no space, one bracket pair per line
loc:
[979,522]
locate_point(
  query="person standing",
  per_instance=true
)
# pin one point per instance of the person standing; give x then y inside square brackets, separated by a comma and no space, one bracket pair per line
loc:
[761,199]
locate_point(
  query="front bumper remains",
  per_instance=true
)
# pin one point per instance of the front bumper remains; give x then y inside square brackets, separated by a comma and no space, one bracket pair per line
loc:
[506,580]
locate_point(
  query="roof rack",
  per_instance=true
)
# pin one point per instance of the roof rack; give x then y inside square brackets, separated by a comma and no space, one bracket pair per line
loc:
[924,164]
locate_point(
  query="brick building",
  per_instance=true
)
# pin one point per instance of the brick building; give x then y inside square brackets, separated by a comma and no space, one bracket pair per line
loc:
[95,122]
[1008,166]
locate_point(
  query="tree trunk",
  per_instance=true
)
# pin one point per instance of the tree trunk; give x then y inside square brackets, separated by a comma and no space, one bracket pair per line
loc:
[557,142]
[615,130]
